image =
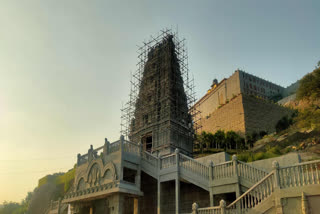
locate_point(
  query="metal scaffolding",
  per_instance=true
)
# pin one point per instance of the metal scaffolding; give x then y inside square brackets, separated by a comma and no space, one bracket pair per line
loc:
[128,109]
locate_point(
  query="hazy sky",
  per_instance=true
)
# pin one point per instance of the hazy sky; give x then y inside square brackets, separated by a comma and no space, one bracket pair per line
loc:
[65,67]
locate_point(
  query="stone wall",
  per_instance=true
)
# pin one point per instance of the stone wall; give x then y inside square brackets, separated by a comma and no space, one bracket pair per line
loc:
[261,115]
[245,114]
[284,160]
[228,117]
[189,194]
[219,95]
[148,203]
[215,158]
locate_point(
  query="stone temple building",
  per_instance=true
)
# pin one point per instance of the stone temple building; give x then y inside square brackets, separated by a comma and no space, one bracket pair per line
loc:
[161,118]
[154,172]
[242,103]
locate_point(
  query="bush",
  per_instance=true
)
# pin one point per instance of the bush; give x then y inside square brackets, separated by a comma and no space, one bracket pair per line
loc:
[308,118]
[283,124]
[262,134]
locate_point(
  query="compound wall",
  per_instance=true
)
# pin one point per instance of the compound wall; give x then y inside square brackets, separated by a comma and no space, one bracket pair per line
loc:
[245,114]
[228,117]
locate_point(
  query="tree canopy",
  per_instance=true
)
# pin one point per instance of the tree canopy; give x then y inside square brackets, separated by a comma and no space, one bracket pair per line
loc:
[310,85]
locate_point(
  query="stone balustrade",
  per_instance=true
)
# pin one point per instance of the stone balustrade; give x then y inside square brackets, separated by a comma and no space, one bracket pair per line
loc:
[223,170]
[152,160]
[193,166]
[168,161]
[302,174]
[255,195]
[250,173]
[130,147]
[213,210]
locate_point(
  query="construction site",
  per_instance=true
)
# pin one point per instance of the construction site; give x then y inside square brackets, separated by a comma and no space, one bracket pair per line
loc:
[150,169]
[162,92]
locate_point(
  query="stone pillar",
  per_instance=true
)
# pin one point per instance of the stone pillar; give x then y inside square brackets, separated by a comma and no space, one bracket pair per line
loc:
[78,159]
[159,185]
[304,204]
[278,203]
[159,197]
[90,153]
[91,210]
[275,166]
[136,207]
[138,175]
[106,147]
[223,207]
[236,175]
[211,183]
[118,203]
[177,183]
[121,155]
[59,205]
[121,142]
[195,207]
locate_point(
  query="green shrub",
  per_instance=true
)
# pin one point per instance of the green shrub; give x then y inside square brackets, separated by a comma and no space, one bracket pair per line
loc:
[283,124]
[309,87]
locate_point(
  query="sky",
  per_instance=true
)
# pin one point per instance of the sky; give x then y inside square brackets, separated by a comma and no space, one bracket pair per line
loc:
[65,67]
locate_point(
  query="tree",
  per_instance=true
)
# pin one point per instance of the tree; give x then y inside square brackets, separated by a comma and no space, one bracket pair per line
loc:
[220,138]
[309,87]
[9,207]
[231,138]
[42,196]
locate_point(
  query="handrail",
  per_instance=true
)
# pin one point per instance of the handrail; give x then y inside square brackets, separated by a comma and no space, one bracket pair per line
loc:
[300,164]
[248,201]
[300,174]
[194,160]
[131,147]
[151,159]
[193,166]
[223,163]
[97,149]
[225,170]
[249,172]
[167,156]
[253,166]
[209,210]
[168,161]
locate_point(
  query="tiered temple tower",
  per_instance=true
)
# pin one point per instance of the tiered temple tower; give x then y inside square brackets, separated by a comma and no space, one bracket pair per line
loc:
[161,119]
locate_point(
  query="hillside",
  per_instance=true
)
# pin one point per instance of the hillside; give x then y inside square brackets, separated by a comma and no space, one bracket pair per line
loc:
[298,133]
[303,134]
[50,187]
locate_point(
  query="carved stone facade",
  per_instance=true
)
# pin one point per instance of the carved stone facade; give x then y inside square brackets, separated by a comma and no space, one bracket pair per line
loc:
[161,119]
[124,179]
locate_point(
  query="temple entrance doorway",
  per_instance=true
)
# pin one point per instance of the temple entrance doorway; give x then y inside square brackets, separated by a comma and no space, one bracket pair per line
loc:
[147,143]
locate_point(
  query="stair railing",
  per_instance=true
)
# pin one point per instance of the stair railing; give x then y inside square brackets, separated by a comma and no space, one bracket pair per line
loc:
[250,173]
[193,166]
[255,195]
[168,161]
[301,174]
[223,170]
[151,159]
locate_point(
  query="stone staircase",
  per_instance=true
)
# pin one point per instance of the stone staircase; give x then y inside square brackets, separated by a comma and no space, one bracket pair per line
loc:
[267,193]
[261,187]
[198,173]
